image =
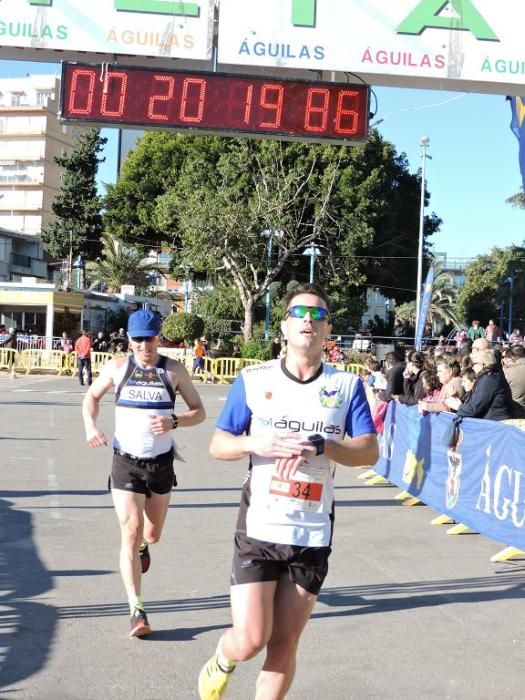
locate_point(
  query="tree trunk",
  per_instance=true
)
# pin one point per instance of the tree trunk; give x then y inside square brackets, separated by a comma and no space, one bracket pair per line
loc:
[248,321]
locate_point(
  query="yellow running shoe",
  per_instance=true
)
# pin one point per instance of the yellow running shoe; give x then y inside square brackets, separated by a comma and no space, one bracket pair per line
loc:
[213,680]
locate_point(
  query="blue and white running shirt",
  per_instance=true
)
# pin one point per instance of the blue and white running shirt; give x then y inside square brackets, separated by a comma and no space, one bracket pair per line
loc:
[267,397]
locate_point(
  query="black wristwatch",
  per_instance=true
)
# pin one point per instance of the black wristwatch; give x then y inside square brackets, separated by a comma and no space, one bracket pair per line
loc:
[175,421]
[318,442]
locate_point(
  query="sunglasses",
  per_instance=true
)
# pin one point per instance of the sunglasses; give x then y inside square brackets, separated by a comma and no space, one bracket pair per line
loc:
[143,339]
[317,313]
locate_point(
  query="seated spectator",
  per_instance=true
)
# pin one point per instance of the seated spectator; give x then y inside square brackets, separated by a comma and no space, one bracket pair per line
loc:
[491,397]
[459,337]
[275,348]
[475,331]
[448,371]
[514,371]
[492,332]
[66,344]
[374,377]
[100,344]
[394,368]
[122,339]
[431,385]
[515,336]
[113,341]
[413,390]
[468,379]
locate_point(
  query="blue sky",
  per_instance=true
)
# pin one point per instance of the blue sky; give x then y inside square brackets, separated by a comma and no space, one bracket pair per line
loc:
[473,170]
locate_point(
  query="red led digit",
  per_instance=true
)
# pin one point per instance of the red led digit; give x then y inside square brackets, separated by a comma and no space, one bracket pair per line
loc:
[161,99]
[343,114]
[320,111]
[75,88]
[248,104]
[188,83]
[276,105]
[121,79]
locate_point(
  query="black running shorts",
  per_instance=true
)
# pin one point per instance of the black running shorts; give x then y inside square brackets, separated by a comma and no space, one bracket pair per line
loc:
[255,561]
[143,475]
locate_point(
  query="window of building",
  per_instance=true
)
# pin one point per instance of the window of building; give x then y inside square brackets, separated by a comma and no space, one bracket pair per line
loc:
[42,96]
[17,98]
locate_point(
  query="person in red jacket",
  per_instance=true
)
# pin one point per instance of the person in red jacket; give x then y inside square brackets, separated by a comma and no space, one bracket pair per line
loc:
[83,350]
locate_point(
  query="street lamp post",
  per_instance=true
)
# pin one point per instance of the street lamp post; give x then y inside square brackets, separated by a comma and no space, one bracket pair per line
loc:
[271,235]
[313,251]
[424,143]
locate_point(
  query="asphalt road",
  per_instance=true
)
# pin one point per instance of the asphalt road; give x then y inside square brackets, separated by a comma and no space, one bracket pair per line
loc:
[407,611]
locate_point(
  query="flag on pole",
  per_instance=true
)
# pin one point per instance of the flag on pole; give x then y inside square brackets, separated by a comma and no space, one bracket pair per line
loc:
[517,124]
[423,310]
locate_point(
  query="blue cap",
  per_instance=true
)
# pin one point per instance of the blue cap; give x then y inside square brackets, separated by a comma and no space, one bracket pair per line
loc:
[143,324]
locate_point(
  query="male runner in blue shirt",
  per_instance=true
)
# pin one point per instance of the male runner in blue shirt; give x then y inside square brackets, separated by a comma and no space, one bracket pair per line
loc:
[292,418]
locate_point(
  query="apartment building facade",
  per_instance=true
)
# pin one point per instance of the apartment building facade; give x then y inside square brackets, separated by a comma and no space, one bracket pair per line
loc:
[30,138]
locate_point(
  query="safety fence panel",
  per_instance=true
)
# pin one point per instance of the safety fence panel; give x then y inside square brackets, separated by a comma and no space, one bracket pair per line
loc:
[226,369]
[7,357]
[354,367]
[480,482]
[43,360]
[98,360]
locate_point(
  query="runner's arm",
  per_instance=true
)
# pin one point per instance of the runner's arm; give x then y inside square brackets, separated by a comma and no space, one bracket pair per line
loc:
[90,406]
[225,445]
[353,452]
[182,382]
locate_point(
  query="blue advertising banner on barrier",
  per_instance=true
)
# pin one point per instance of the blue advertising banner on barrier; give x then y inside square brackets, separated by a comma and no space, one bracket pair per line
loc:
[481,482]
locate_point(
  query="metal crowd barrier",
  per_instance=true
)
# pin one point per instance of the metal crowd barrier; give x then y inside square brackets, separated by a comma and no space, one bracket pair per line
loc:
[222,369]
[7,357]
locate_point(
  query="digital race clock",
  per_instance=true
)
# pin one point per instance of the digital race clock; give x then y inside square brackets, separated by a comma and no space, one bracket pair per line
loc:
[215,103]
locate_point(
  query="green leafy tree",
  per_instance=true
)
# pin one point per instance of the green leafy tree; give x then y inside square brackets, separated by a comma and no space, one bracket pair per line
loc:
[182,326]
[485,292]
[517,200]
[77,225]
[119,264]
[442,309]
[218,203]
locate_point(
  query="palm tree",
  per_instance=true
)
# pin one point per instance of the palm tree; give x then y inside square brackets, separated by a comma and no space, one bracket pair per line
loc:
[517,200]
[120,264]
[441,309]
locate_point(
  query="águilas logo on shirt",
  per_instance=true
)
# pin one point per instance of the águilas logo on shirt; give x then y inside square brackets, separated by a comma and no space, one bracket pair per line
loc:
[268,395]
[332,398]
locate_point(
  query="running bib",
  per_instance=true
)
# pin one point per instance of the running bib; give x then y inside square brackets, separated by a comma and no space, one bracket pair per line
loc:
[304,492]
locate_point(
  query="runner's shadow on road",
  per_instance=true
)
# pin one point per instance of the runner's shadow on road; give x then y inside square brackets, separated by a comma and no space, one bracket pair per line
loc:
[184,634]
[382,598]
[27,626]
[53,492]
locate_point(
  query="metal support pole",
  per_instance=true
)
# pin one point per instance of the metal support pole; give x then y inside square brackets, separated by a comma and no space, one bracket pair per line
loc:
[268,299]
[424,143]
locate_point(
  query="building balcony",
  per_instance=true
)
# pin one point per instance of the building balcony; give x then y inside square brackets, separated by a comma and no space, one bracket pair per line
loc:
[26,265]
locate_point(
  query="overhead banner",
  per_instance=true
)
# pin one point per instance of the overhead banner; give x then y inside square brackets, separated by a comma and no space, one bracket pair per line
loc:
[480,482]
[133,27]
[467,40]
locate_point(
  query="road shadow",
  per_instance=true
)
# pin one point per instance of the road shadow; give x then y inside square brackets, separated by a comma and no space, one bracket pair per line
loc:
[381,598]
[26,626]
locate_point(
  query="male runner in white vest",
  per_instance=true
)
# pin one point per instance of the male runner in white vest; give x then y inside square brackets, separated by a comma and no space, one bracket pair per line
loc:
[292,418]
[142,473]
